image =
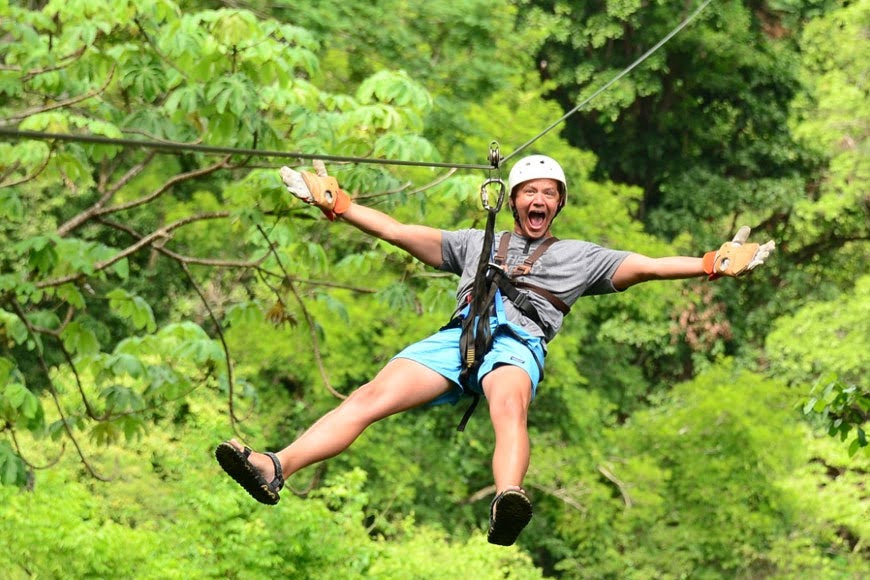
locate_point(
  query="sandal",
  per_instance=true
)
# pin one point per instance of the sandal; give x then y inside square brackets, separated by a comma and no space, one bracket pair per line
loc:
[238,466]
[509,513]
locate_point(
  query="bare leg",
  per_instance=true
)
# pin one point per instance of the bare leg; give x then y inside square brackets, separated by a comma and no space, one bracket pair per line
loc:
[508,391]
[401,385]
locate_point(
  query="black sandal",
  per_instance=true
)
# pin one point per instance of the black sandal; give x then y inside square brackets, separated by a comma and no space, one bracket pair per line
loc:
[238,466]
[509,513]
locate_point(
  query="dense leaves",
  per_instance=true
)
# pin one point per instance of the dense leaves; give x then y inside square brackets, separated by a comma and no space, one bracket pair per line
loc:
[153,303]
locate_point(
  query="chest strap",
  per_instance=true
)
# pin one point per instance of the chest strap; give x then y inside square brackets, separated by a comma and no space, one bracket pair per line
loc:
[523,269]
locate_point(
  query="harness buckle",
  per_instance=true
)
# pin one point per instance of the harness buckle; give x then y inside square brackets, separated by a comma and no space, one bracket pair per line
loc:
[521,301]
[521,270]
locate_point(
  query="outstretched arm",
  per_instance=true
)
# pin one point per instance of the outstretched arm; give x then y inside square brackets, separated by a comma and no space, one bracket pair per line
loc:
[422,242]
[733,258]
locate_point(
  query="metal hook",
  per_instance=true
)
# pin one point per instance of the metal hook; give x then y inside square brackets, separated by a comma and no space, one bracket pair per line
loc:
[484,195]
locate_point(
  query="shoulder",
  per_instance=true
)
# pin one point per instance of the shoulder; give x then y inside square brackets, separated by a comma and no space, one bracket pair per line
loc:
[461,237]
[588,254]
[577,247]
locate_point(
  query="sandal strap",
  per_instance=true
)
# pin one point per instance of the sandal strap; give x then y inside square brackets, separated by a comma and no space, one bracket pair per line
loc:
[278,483]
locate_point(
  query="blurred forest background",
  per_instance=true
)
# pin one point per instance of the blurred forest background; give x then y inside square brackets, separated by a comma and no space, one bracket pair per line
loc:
[154,303]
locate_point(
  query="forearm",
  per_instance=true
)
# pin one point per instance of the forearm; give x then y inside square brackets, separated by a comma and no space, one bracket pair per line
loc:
[371,221]
[637,268]
[675,268]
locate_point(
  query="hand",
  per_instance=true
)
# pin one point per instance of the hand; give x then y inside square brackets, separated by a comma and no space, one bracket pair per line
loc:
[736,258]
[320,189]
[295,184]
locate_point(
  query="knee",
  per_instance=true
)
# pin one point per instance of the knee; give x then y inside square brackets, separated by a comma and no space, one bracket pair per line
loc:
[366,400]
[512,408]
[362,396]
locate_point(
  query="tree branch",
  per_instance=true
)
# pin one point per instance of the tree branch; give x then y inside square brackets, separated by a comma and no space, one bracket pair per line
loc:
[429,185]
[253,264]
[229,361]
[89,410]
[160,234]
[824,246]
[315,343]
[127,177]
[315,479]
[53,390]
[623,489]
[157,50]
[561,494]
[29,464]
[98,208]
[60,104]
[182,258]
[26,178]
[39,71]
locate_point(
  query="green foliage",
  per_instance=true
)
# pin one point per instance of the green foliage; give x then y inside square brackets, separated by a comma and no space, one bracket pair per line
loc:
[153,303]
[13,472]
[173,516]
[93,308]
[699,124]
[830,224]
[703,485]
[133,308]
[829,361]
[834,339]
[843,408]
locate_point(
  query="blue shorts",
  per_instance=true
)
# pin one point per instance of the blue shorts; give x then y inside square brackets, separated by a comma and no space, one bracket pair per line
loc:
[440,352]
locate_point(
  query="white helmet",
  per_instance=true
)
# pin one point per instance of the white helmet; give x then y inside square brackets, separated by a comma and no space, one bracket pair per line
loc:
[538,167]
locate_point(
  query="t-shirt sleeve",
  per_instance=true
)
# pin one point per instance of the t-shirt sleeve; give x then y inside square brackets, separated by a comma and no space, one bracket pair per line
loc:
[603,263]
[454,248]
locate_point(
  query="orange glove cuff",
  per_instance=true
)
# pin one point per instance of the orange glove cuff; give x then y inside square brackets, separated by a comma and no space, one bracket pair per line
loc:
[342,202]
[709,262]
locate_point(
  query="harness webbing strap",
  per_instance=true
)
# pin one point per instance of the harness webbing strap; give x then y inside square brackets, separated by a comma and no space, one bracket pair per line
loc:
[525,268]
[476,337]
[520,300]
[503,244]
[551,298]
[468,412]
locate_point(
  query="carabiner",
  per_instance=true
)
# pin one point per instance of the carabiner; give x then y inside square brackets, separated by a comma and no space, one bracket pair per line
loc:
[484,195]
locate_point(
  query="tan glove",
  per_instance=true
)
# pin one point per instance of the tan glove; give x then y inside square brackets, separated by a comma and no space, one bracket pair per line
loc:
[736,257]
[320,189]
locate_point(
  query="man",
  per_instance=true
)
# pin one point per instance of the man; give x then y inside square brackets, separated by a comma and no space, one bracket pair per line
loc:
[507,375]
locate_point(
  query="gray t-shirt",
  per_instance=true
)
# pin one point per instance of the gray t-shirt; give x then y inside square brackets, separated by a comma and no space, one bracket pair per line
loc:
[569,269]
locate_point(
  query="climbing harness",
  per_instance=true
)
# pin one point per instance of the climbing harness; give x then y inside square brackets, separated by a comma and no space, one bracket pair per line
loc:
[491,283]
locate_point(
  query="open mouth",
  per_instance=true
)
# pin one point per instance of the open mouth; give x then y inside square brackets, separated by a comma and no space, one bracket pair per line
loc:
[537,219]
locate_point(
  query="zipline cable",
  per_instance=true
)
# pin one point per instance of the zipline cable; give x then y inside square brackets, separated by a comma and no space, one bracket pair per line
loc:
[211,149]
[607,85]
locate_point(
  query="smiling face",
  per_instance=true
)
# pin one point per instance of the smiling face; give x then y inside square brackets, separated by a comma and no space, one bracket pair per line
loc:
[535,203]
